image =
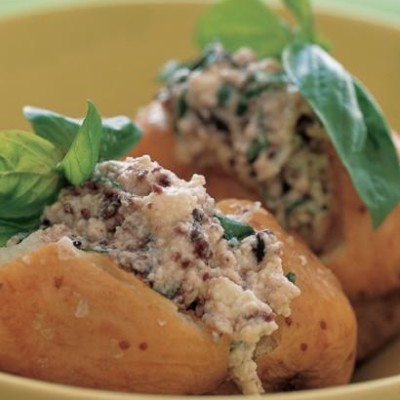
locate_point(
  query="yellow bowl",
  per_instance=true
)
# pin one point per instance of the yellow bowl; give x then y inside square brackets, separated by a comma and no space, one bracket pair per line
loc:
[111,54]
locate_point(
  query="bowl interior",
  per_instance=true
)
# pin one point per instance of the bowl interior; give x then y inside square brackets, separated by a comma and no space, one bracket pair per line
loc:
[111,54]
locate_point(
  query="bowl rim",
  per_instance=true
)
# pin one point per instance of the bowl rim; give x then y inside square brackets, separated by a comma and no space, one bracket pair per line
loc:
[62,391]
[328,7]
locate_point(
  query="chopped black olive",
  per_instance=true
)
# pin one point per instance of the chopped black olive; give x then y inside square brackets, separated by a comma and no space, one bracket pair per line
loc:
[259,249]
[77,243]
[164,180]
[214,121]
[197,215]
[193,305]
[111,204]
[302,125]
[219,124]
[286,187]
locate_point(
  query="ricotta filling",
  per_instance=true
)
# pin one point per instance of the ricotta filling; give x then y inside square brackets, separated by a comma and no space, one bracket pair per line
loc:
[165,231]
[244,115]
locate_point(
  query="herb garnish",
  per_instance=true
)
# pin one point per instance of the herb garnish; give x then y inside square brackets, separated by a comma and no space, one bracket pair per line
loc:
[234,229]
[118,133]
[33,168]
[291,277]
[353,120]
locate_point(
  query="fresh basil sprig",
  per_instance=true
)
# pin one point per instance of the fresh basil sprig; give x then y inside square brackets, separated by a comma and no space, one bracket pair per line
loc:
[33,168]
[378,175]
[303,12]
[28,178]
[329,89]
[353,120]
[237,23]
[9,229]
[119,134]
[81,158]
[354,123]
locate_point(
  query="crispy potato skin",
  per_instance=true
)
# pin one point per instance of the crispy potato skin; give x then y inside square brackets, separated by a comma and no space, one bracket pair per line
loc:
[316,344]
[80,320]
[366,261]
[76,318]
[379,320]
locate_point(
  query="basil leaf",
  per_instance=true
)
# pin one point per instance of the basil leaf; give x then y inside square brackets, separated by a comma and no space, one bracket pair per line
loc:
[237,23]
[353,123]
[55,128]
[303,12]
[377,173]
[81,158]
[329,89]
[8,229]
[234,229]
[28,178]
[119,134]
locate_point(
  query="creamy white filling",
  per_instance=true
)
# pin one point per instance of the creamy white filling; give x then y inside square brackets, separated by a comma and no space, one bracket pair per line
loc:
[244,115]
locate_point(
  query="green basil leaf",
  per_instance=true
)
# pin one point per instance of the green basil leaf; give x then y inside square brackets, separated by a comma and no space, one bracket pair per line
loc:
[329,89]
[119,134]
[28,178]
[8,229]
[303,12]
[353,123]
[237,23]
[81,158]
[234,229]
[377,173]
[55,128]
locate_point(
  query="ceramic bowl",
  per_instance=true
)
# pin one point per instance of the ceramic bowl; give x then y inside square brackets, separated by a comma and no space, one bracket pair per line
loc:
[111,53]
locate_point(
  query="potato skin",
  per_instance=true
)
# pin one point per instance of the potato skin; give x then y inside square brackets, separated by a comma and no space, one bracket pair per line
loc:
[316,344]
[379,320]
[76,318]
[366,261]
[82,321]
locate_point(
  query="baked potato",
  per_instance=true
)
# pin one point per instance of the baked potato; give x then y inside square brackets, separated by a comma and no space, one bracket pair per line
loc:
[366,261]
[74,316]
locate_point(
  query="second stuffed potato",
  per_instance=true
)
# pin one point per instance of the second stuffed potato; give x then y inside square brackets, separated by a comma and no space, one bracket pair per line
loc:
[251,133]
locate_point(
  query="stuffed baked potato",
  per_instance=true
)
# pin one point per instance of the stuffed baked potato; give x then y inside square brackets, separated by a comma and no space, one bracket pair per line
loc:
[198,318]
